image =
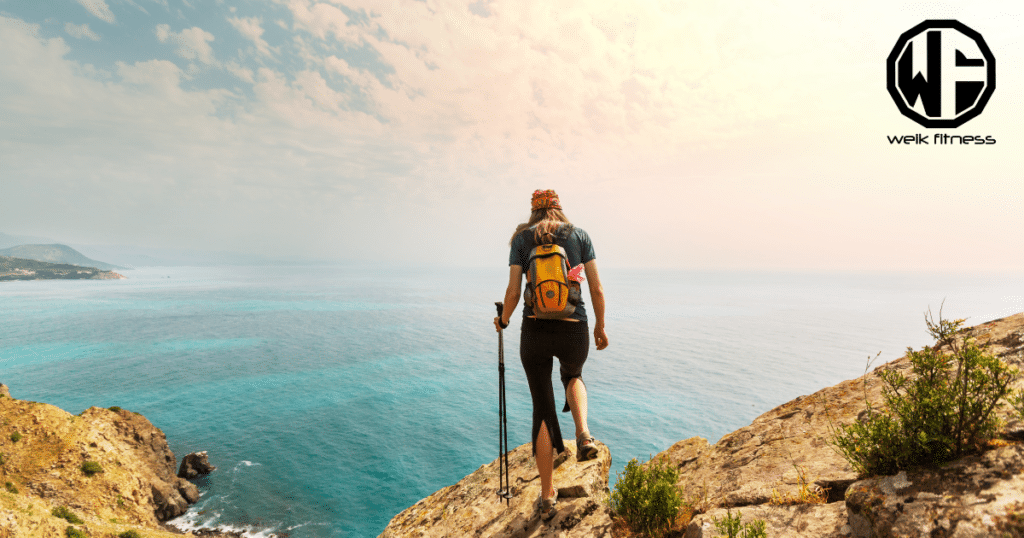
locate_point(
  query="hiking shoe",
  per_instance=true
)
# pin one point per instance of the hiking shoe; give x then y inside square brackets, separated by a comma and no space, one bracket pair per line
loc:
[546,507]
[586,447]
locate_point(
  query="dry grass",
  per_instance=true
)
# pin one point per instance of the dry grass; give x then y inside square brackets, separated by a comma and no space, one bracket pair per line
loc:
[808,493]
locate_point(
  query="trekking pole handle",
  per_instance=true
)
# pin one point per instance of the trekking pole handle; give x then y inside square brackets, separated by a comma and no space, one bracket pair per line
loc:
[501,308]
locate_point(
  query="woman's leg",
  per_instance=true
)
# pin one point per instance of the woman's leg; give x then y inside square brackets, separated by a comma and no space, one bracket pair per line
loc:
[545,461]
[572,356]
[537,358]
[576,395]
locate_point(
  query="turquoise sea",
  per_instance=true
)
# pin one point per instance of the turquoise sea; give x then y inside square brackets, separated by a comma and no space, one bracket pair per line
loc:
[332,398]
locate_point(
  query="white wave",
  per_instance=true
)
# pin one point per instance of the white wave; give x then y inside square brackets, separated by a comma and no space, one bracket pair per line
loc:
[194,521]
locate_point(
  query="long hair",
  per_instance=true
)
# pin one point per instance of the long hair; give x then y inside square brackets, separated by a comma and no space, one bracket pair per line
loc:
[547,220]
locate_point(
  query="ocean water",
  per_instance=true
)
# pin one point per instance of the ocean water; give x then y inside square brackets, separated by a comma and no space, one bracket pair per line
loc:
[332,398]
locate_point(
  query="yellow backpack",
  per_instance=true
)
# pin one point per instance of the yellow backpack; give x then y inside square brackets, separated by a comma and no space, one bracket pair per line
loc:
[550,293]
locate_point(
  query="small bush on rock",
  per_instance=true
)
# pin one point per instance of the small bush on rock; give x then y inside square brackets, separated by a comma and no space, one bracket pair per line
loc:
[733,527]
[72,532]
[939,413]
[648,499]
[15,437]
[115,409]
[66,514]
[11,488]
[91,467]
[130,534]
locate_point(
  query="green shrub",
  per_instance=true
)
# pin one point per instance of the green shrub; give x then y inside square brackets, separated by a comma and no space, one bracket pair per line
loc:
[91,467]
[10,487]
[72,532]
[66,514]
[16,437]
[1017,402]
[647,498]
[941,412]
[3,458]
[130,534]
[115,409]
[733,527]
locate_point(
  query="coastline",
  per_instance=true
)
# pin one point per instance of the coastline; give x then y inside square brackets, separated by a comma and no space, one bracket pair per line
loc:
[12,269]
[140,341]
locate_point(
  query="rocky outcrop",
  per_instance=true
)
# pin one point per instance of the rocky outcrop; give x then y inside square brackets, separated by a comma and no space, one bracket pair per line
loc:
[43,465]
[4,391]
[108,275]
[472,508]
[787,450]
[194,465]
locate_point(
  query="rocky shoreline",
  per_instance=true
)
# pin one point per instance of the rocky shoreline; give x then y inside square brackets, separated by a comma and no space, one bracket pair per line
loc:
[761,471]
[111,468]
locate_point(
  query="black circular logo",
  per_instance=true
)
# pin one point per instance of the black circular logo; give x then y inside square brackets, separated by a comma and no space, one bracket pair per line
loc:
[550,294]
[941,73]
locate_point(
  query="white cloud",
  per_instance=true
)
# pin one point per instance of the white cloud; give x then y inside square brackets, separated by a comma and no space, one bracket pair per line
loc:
[250,27]
[98,8]
[322,20]
[80,31]
[241,72]
[193,43]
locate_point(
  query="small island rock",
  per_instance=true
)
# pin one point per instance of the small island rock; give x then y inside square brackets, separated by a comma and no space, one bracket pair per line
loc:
[195,464]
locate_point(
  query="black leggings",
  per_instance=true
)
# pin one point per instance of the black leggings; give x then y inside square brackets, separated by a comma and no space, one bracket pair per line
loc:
[540,341]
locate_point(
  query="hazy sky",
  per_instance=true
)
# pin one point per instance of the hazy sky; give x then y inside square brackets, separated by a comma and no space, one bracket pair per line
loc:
[699,134]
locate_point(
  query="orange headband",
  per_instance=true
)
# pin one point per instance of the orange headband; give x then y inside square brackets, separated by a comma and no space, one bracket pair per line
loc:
[544,200]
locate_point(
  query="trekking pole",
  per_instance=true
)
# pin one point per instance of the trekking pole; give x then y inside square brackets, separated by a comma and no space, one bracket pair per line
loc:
[504,488]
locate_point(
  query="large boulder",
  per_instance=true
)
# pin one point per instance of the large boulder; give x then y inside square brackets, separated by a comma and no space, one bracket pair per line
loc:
[168,500]
[977,496]
[471,507]
[194,465]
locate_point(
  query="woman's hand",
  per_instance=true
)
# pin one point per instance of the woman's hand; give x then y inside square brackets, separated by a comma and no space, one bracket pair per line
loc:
[600,338]
[497,324]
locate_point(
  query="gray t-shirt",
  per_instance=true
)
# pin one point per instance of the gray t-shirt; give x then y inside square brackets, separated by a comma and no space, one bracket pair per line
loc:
[577,246]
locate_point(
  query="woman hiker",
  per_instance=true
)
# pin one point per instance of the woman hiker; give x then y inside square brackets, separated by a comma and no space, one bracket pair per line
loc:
[543,339]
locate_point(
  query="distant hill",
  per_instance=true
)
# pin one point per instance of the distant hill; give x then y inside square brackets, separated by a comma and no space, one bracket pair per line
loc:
[61,254]
[7,240]
[22,269]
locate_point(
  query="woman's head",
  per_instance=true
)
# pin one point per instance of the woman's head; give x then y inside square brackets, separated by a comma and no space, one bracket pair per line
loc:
[546,199]
[546,213]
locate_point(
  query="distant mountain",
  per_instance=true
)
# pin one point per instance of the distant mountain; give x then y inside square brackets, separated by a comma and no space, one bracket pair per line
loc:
[7,240]
[133,257]
[60,254]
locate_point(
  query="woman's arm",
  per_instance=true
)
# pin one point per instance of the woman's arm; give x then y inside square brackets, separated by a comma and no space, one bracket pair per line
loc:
[515,287]
[597,298]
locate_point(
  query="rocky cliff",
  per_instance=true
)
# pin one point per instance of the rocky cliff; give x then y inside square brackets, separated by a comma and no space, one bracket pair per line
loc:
[111,468]
[769,470]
